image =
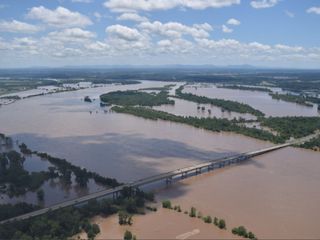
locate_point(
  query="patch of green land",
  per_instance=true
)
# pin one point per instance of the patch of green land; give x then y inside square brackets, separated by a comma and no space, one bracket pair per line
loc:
[136,98]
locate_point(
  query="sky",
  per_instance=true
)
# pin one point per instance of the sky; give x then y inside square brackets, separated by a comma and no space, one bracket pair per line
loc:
[264,33]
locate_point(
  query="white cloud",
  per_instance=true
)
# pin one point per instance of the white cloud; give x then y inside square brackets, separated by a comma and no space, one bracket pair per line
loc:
[315,10]
[123,32]
[82,1]
[225,29]
[175,29]
[18,27]
[263,3]
[152,5]
[60,17]
[289,14]
[132,17]
[233,21]
[72,35]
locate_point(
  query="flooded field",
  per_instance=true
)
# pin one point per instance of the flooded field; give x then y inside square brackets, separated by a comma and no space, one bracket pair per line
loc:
[259,100]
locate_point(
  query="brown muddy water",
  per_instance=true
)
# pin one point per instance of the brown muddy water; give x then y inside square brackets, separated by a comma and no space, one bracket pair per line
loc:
[259,100]
[275,195]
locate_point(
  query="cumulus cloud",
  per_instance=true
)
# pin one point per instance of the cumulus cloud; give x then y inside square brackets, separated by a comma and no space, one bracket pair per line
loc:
[152,5]
[18,27]
[175,29]
[123,32]
[233,21]
[132,17]
[60,17]
[72,35]
[315,10]
[225,29]
[263,3]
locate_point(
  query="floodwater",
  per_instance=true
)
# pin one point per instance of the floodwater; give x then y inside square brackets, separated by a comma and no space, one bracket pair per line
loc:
[275,195]
[186,108]
[259,100]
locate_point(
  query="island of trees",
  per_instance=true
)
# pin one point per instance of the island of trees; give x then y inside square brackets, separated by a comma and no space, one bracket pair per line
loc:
[135,98]
[246,88]
[298,99]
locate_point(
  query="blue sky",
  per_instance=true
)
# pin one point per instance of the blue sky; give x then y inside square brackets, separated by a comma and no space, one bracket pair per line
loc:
[271,33]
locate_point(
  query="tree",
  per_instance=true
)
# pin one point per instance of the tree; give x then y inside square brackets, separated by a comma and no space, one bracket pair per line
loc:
[40,195]
[127,235]
[166,204]
[222,224]
[193,212]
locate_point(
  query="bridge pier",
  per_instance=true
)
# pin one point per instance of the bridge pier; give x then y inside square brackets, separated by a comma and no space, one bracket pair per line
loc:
[169,181]
[198,171]
[184,175]
[210,167]
[115,195]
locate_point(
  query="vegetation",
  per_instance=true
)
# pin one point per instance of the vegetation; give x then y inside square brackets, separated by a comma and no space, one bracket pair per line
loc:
[8,210]
[224,104]
[166,204]
[207,219]
[14,175]
[298,99]
[295,127]
[136,98]
[242,232]
[246,88]
[129,236]
[193,212]
[67,222]
[313,144]
[164,88]
[212,124]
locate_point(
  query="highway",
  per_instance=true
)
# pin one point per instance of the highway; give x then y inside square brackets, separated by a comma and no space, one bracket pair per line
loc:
[169,177]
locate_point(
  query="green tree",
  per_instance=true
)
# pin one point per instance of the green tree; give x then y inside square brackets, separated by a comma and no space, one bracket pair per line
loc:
[222,224]
[193,212]
[127,235]
[166,204]
[40,195]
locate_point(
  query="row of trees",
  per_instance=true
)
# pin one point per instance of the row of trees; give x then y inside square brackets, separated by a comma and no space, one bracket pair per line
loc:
[212,124]
[224,104]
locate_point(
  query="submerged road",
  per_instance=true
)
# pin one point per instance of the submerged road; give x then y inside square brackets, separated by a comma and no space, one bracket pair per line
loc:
[169,177]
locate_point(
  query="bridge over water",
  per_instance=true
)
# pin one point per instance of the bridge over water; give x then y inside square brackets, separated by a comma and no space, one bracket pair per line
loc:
[168,177]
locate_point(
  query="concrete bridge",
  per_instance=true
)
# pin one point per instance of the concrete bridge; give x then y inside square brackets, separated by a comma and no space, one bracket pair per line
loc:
[168,178]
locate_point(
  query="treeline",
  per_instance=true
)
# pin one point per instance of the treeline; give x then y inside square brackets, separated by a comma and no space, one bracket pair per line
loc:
[226,105]
[65,169]
[220,223]
[164,88]
[136,98]
[14,179]
[212,124]
[246,88]
[8,210]
[295,127]
[313,144]
[66,223]
[298,99]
